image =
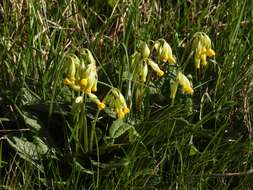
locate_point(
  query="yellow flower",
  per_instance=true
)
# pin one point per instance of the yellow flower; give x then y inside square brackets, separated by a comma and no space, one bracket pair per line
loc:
[185,83]
[101,106]
[95,99]
[69,81]
[155,67]
[139,67]
[82,76]
[164,51]
[126,110]
[88,82]
[116,101]
[145,51]
[83,82]
[210,52]
[120,114]
[72,62]
[201,46]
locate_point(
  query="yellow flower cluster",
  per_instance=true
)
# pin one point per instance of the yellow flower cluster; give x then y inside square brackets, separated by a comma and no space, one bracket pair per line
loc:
[164,51]
[116,101]
[201,46]
[82,76]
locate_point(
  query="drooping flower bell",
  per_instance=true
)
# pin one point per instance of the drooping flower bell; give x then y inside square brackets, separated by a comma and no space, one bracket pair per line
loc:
[88,78]
[72,64]
[202,48]
[88,73]
[95,99]
[164,51]
[116,101]
[184,83]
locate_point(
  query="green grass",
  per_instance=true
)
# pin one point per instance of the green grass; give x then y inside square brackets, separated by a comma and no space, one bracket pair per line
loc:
[47,141]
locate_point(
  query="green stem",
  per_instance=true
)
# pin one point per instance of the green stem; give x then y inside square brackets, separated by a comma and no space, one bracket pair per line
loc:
[85,134]
[93,130]
[98,160]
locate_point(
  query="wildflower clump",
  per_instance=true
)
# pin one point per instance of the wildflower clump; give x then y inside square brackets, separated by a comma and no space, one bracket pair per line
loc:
[116,101]
[82,76]
[202,48]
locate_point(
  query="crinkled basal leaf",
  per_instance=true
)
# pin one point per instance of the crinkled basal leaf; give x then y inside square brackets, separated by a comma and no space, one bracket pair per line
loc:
[28,150]
[32,122]
[119,127]
[133,134]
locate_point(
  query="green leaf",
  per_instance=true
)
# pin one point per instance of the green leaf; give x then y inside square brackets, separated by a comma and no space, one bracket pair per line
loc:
[112,164]
[32,122]
[133,134]
[118,128]
[82,169]
[111,3]
[28,150]
[193,149]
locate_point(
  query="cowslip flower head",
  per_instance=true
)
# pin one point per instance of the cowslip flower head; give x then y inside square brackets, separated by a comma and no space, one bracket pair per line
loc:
[184,83]
[116,101]
[89,77]
[202,47]
[88,73]
[164,51]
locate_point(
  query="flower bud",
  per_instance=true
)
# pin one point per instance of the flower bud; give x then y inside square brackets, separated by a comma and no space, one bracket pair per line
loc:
[155,67]
[164,52]
[72,62]
[143,71]
[145,51]
[173,90]
[185,83]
